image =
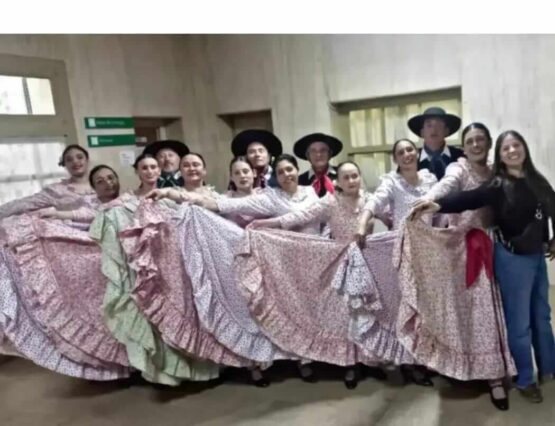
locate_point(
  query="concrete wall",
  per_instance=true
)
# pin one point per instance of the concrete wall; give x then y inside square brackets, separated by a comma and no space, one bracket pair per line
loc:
[507,81]
[112,76]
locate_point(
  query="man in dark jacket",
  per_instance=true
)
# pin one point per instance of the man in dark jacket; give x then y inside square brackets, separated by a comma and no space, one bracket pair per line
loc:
[168,153]
[434,126]
[318,149]
[260,147]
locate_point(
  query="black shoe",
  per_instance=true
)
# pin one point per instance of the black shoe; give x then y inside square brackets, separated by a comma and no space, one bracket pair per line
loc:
[419,378]
[422,381]
[162,387]
[261,383]
[377,373]
[499,403]
[309,377]
[394,375]
[543,379]
[350,383]
[351,377]
[532,393]
[134,379]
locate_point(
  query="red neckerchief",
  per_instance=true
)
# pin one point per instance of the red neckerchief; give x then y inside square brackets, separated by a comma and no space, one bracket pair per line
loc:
[260,180]
[322,179]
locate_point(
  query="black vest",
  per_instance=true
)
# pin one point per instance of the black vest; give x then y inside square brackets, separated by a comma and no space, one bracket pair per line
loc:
[456,153]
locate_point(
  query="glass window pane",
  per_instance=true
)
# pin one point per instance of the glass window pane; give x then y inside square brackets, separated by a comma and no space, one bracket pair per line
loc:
[30,157]
[451,106]
[366,127]
[12,190]
[40,93]
[28,165]
[15,89]
[410,111]
[380,127]
[12,95]
[48,156]
[374,127]
[396,123]
[16,159]
[372,167]
[357,125]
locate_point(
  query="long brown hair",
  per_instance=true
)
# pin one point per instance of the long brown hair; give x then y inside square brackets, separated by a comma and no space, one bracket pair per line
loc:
[535,180]
[397,142]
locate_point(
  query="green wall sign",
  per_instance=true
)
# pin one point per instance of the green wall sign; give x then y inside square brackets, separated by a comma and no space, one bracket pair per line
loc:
[109,123]
[100,141]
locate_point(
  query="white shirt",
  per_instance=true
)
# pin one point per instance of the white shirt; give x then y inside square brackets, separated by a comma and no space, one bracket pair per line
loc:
[424,154]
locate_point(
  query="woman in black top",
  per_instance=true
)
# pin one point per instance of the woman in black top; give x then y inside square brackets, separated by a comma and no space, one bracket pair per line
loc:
[523,203]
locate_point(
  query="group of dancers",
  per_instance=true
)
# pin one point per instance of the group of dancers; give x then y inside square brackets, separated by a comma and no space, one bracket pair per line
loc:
[175,281]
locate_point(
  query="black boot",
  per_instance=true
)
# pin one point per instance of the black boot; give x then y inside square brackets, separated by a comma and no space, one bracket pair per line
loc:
[413,374]
[307,373]
[258,378]
[351,377]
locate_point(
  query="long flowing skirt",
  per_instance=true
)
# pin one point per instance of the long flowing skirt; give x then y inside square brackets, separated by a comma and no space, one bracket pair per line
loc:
[162,290]
[147,351]
[456,330]
[29,338]
[208,244]
[375,330]
[288,279]
[63,287]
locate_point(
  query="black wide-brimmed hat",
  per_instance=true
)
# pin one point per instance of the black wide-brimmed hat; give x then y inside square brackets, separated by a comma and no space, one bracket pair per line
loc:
[177,146]
[303,143]
[241,142]
[452,122]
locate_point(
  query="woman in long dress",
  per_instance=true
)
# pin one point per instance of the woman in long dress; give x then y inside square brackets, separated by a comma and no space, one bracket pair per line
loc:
[523,204]
[157,361]
[241,184]
[50,294]
[162,289]
[398,189]
[341,212]
[208,247]
[69,194]
[487,334]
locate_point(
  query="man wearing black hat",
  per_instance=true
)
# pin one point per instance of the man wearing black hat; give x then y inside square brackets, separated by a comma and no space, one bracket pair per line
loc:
[434,126]
[259,146]
[168,153]
[318,149]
